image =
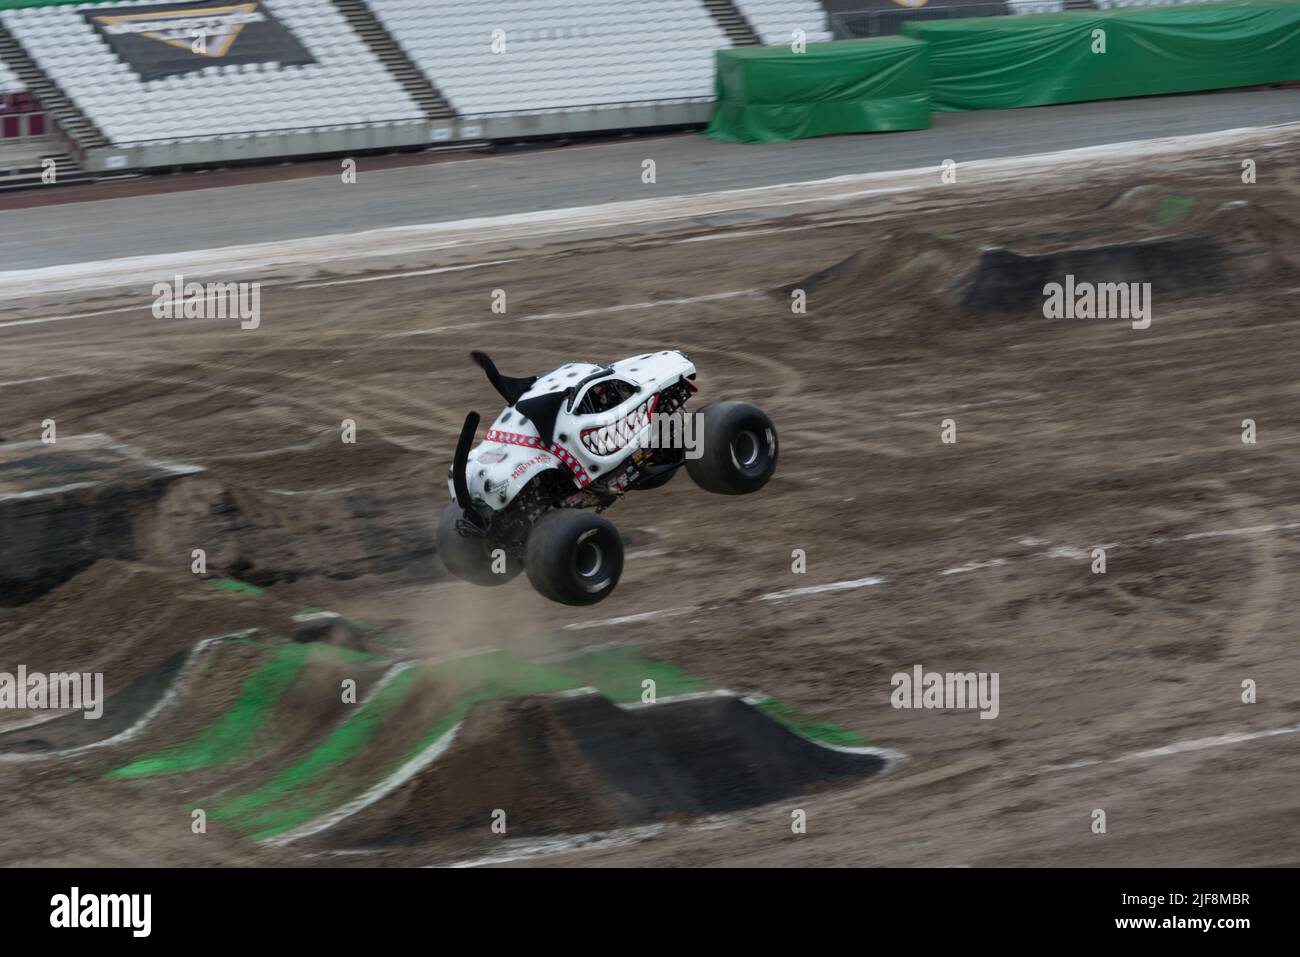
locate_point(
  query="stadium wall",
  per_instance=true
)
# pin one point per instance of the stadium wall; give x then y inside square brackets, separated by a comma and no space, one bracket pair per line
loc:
[313,142]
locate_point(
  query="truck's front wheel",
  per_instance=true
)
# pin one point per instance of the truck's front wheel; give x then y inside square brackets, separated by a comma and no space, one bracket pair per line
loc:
[738,449]
[574,557]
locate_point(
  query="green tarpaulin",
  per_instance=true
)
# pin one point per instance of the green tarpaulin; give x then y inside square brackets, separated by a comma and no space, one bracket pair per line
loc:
[1003,62]
[852,86]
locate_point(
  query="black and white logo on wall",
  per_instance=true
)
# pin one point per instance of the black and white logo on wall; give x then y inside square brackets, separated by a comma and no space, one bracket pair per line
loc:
[174,38]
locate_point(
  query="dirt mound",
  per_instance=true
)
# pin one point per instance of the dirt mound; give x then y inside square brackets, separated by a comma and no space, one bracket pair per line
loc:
[151,628]
[579,763]
[266,537]
[1264,244]
[262,518]
[211,679]
[279,701]
[1176,242]
[67,504]
[1151,206]
[124,619]
[1007,282]
[906,266]
[913,280]
[321,509]
[120,712]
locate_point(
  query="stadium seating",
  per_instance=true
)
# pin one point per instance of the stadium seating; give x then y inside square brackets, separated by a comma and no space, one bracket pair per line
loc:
[9,82]
[776,20]
[389,73]
[559,54]
[346,86]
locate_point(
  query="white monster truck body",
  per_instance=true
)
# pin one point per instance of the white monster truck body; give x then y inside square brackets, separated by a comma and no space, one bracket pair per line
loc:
[568,445]
[604,414]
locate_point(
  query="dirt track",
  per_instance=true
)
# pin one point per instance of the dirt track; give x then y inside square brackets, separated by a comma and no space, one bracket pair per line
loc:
[1071,434]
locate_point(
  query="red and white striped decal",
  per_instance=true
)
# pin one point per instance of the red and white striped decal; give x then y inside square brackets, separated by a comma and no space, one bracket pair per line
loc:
[533,442]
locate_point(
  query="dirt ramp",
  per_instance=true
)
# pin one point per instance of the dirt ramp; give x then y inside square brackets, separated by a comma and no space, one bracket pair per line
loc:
[906,267]
[125,619]
[1178,243]
[578,763]
[1008,282]
[734,756]
[516,755]
[67,504]
[916,282]
[1264,245]
[119,713]
[87,498]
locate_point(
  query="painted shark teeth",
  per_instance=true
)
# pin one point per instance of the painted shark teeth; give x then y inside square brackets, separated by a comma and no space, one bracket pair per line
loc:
[609,439]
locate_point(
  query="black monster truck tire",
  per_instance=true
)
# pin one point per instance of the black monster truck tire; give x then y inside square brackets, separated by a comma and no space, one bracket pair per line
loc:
[469,557]
[574,557]
[739,449]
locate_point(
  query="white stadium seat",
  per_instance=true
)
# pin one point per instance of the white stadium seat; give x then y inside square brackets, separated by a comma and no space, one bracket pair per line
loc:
[9,82]
[346,84]
[559,54]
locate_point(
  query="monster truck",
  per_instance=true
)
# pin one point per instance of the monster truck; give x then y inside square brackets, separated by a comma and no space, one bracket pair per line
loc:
[569,444]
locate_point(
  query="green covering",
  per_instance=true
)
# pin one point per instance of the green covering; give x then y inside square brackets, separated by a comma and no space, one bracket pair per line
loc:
[767,94]
[1003,62]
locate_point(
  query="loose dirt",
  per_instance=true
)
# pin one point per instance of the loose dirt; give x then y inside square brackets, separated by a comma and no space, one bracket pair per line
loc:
[1071,435]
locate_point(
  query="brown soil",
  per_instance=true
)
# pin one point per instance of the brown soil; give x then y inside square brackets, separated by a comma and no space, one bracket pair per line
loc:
[1072,434]
[124,619]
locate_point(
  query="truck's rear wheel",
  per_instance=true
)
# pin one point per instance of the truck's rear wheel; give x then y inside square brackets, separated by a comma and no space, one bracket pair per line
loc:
[738,447]
[574,557]
[470,557]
